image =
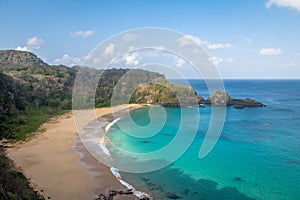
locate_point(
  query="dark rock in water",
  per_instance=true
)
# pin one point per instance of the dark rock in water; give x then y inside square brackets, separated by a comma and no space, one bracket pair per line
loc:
[146,180]
[168,134]
[221,98]
[151,185]
[293,162]
[186,192]
[171,195]
[155,187]
[146,141]
[238,179]
[248,102]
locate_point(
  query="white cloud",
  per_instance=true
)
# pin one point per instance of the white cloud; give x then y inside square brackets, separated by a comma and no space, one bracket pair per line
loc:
[219,46]
[83,34]
[216,60]
[109,49]
[270,52]
[179,62]
[22,48]
[190,40]
[249,40]
[129,37]
[32,43]
[131,59]
[293,4]
[68,60]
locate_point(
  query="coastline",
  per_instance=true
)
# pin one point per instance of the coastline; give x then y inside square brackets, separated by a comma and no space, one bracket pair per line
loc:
[59,166]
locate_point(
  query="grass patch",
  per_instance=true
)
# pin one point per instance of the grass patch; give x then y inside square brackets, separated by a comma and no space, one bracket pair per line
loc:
[22,125]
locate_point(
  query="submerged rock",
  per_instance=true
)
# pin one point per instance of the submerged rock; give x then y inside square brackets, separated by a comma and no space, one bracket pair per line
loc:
[171,195]
[238,179]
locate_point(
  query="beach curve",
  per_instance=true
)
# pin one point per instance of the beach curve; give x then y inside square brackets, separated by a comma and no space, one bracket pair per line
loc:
[58,165]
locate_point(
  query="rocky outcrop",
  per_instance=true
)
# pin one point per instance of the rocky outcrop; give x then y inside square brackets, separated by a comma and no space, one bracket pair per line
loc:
[166,94]
[112,193]
[242,103]
[221,98]
[20,58]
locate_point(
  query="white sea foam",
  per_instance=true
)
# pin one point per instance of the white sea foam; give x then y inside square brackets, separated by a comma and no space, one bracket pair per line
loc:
[103,146]
[116,172]
[137,193]
[111,124]
[130,187]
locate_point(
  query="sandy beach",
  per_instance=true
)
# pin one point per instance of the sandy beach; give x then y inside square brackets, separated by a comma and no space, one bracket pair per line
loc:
[58,165]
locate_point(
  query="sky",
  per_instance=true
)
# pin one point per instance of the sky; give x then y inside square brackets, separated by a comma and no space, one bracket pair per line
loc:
[244,38]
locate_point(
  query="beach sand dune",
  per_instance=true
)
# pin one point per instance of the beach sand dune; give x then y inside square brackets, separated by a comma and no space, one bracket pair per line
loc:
[59,166]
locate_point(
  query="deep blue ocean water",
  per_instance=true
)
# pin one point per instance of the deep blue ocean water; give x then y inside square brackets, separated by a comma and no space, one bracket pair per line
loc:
[256,157]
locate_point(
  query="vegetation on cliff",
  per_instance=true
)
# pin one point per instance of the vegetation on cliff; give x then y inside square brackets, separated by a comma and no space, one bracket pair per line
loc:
[29,95]
[164,93]
[20,58]
[31,92]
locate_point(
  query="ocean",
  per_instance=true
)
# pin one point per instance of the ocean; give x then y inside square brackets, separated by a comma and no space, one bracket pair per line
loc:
[256,157]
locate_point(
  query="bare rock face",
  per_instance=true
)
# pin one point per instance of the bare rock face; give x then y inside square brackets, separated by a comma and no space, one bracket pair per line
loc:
[219,98]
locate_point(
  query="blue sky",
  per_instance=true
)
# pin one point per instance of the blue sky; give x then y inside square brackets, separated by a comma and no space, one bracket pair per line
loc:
[245,38]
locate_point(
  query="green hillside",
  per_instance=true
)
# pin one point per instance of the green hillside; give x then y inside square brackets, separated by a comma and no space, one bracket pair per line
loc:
[29,95]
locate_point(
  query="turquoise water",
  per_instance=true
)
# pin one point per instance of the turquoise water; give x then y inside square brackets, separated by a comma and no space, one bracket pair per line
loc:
[256,157]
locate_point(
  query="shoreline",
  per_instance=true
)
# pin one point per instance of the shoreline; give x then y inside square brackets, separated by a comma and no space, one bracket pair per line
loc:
[115,171]
[58,165]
